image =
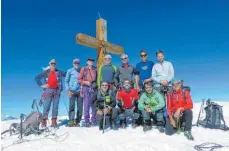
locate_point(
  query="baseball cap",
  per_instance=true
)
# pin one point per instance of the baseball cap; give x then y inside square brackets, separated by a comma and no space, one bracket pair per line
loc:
[175,81]
[76,60]
[52,61]
[90,59]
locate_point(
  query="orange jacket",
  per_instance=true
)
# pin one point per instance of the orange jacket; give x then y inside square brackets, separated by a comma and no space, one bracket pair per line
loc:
[178,99]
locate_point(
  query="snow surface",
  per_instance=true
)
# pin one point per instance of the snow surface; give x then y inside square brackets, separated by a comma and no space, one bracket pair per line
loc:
[91,139]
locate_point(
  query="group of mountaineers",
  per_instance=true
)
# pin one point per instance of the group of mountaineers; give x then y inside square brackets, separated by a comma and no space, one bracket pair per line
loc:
[148,94]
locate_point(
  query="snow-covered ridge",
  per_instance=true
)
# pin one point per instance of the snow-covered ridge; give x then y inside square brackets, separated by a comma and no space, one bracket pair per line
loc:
[8,117]
[91,139]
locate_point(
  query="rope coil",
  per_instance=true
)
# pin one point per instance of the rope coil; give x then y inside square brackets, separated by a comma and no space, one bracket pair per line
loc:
[208,145]
[46,136]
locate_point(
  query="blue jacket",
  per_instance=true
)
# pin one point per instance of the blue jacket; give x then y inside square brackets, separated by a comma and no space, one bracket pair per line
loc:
[162,71]
[71,79]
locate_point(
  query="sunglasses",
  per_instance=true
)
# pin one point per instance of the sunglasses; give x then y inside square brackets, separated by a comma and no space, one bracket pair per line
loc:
[124,58]
[143,55]
[104,85]
[53,63]
[107,58]
[76,63]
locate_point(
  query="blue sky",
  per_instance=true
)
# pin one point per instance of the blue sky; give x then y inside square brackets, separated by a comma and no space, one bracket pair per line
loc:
[193,34]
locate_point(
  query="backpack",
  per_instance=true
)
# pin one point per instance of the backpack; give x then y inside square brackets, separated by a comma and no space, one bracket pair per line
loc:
[30,125]
[184,89]
[214,118]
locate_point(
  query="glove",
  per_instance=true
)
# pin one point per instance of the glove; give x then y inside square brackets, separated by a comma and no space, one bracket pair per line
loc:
[120,103]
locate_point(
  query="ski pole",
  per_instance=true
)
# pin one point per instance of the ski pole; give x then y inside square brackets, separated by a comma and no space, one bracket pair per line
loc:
[197,122]
[21,118]
[104,116]
[66,108]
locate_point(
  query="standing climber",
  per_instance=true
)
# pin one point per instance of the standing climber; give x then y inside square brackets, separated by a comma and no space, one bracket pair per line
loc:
[73,88]
[52,86]
[87,79]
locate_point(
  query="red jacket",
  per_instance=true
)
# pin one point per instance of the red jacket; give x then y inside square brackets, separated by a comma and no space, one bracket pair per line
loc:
[128,97]
[178,100]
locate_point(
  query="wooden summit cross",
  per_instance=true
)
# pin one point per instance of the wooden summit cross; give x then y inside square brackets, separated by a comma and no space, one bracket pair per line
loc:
[100,42]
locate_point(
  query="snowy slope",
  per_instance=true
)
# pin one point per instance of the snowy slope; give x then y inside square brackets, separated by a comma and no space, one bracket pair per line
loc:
[91,139]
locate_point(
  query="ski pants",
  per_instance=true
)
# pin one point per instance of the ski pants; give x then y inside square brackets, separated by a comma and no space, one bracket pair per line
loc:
[50,96]
[75,98]
[88,102]
[158,117]
[112,115]
[133,113]
[185,122]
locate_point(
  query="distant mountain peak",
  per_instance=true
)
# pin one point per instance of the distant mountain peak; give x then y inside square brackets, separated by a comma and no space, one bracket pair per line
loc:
[8,117]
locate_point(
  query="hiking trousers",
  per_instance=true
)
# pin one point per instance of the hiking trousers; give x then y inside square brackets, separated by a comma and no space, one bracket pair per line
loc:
[158,117]
[75,98]
[133,113]
[88,102]
[112,115]
[50,96]
[185,122]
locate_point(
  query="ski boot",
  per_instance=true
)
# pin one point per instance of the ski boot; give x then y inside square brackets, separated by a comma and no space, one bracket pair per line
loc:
[101,125]
[44,123]
[77,124]
[70,124]
[87,124]
[161,129]
[134,124]
[113,125]
[54,123]
[147,125]
[188,135]
[123,123]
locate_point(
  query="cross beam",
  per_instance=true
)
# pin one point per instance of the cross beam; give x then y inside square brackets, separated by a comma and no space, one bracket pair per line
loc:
[100,42]
[95,43]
